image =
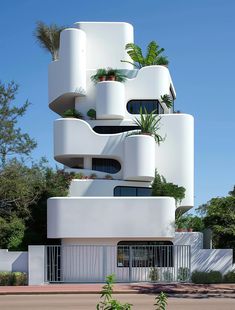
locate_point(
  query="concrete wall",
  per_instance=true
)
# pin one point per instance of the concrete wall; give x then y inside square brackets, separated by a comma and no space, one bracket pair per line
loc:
[37,265]
[13,261]
[205,259]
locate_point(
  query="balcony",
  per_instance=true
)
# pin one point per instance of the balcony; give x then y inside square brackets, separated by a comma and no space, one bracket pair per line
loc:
[123,217]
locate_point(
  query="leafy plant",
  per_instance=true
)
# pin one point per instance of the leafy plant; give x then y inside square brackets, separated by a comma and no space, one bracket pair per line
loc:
[99,76]
[160,187]
[167,100]
[72,113]
[203,277]
[13,278]
[183,274]
[161,301]
[153,55]
[48,37]
[78,176]
[108,303]
[229,277]
[93,176]
[116,74]
[149,123]
[108,177]
[154,274]
[91,113]
[168,276]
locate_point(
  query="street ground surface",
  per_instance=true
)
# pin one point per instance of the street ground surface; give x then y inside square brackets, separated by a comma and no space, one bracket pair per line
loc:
[139,301]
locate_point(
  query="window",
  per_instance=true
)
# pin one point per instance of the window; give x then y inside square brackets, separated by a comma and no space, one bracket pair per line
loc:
[106,165]
[113,129]
[74,162]
[145,254]
[133,106]
[132,191]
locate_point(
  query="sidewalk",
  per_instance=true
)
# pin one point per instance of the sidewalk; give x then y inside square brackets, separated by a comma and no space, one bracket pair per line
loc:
[134,288]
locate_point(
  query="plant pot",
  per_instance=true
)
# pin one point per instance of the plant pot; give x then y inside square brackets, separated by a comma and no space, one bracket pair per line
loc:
[111,78]
[102,78]
[179,230]
[190,230]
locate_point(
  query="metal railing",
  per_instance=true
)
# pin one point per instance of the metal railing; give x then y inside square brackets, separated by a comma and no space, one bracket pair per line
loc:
[140,263]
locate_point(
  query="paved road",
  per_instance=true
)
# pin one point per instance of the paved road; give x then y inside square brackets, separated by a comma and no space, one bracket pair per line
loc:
[88,301]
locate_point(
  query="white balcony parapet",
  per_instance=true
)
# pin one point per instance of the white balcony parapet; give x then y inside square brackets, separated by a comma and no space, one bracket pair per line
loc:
[106,217]
[110,100]
[67,75]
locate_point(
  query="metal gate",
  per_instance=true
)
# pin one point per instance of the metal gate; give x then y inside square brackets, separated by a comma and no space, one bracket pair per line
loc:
[140,263]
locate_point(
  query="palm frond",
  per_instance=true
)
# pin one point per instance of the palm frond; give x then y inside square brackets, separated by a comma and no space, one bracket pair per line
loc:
[135,52]
[48,37]
[151,53]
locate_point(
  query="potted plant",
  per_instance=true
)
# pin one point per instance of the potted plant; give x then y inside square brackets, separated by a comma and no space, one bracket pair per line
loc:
[167,100]
[91,113]
[72,113]
[153,56]
[149,124]
[115,75]
[99,76]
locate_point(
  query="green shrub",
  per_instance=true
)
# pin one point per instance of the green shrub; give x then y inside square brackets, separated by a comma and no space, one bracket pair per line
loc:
[91,113]
[153,274]
[183,274]
[202,277]
[229,277]
[72,113]
[168,276]
[13,278]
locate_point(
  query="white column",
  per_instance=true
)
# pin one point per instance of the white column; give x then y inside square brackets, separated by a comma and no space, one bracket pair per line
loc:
[36,266]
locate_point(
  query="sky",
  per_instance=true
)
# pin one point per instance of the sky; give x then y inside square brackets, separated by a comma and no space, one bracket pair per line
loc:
[199,40]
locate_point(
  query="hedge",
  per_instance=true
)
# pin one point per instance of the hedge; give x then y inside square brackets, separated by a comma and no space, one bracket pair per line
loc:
[13,278]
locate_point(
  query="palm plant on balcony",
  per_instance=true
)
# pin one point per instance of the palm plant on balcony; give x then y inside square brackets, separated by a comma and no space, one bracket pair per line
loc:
[115,75]
[149,124]
[72,113]
[153,55]
[167,100]
[48,37]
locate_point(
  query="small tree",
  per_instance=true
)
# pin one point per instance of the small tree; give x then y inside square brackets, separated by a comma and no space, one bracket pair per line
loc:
[12,140]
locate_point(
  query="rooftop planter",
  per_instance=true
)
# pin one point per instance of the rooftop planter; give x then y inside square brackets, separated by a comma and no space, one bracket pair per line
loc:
[108,74]
[110,100]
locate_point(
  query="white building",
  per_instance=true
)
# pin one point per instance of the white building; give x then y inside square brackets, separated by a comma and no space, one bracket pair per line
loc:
[114,207]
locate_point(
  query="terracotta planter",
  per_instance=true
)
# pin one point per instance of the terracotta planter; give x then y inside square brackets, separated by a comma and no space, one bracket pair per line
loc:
[190,230]
[102,78]
[111,78]
[179,230]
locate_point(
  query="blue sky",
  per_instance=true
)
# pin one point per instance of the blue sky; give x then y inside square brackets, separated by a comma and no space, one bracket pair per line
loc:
[199,39]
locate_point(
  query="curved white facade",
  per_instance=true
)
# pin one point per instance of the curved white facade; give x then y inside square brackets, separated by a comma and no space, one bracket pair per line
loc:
[114,163]
[139,158]
[67,75]
[106,217]
[110,100]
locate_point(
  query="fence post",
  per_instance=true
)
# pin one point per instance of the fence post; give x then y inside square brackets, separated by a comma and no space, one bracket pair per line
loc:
[130,263]
[36,264]
[104,262]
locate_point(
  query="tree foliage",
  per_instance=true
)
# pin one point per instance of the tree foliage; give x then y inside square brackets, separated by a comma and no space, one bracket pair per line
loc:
[12,141]
[11,232]
[219,215]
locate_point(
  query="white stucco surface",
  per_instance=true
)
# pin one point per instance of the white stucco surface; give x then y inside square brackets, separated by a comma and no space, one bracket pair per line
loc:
[108,217]
[36,265]
[13,261]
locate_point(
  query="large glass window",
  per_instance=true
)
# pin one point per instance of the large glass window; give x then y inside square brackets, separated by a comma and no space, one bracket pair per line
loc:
[113,129]
[133,106]
[145,254]
[132,191]
[106,165]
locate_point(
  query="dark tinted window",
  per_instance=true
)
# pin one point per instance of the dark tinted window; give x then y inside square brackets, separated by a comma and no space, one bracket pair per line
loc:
[106,165]
[113,129]
[132,191]
[133,106]
[145,254]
